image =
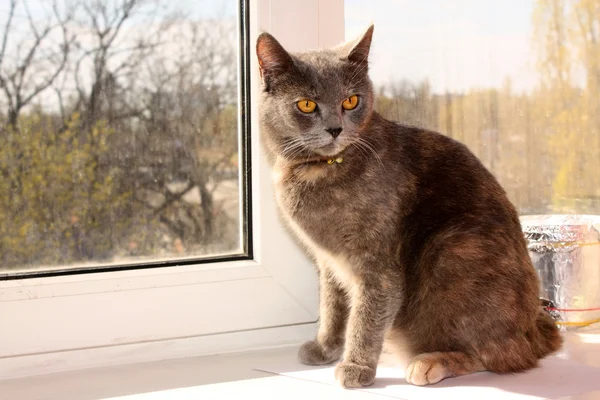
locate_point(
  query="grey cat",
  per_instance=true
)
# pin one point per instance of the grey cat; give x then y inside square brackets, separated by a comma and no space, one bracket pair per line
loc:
[414,240]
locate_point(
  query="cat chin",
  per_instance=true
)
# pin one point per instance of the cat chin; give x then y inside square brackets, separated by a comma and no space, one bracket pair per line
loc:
[330,151]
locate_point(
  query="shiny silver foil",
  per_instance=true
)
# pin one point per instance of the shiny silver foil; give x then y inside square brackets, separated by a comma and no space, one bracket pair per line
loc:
[565,250]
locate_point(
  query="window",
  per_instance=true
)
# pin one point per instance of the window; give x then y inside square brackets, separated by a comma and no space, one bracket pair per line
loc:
[121,134]
[517,81]
[94,313]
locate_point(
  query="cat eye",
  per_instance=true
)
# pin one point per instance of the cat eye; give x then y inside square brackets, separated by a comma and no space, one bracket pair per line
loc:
[306,106]
[350,103]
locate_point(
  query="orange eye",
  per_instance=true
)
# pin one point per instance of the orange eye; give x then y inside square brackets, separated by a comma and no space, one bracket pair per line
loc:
[350,103]
[306,106]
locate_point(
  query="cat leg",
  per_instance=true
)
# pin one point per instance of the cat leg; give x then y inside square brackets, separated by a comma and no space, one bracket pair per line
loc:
[398,349]
[430,368]
[333,313]
[373,307]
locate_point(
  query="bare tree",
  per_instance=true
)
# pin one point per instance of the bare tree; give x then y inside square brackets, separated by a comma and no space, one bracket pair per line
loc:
[36,60]
[107,67]
[190,127]
[170,91]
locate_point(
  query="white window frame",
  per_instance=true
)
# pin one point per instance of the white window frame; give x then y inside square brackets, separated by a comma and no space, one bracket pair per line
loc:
[69,322]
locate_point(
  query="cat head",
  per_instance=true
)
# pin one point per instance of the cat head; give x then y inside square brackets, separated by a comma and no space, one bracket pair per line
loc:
[315,103]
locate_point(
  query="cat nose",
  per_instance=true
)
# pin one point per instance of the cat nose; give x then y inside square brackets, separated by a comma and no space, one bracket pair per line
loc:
[335,132]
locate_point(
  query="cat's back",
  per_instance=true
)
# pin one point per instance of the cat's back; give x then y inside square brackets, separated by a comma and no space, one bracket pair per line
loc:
[449,186]
[426,152]
[442,167]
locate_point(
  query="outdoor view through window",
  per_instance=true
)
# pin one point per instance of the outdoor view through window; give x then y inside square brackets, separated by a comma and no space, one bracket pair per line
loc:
[119,136]
[517,81]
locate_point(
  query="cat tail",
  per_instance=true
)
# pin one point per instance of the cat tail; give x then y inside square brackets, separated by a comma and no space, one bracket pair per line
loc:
[547,339]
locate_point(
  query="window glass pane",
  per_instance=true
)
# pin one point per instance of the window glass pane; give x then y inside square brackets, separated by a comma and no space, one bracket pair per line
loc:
[518,81]
[119,132]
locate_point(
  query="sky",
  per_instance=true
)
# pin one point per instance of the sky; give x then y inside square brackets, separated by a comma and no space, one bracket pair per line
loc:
[143,21]
[456,44]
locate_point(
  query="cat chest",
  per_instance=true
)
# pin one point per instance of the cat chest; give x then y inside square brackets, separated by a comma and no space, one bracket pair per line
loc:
[325,230]
[337,263]
[321,219]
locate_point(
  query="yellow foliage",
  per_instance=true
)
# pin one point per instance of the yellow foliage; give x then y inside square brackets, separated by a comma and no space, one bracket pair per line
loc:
[566,32]
[54,193]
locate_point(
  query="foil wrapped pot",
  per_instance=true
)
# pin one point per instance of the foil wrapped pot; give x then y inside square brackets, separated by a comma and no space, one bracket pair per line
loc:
[565,250]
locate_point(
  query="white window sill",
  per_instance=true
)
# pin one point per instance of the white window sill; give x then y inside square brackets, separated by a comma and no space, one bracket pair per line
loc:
[230,376]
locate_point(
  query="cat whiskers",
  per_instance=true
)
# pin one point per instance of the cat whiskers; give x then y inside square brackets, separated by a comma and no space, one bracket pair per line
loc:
[356,146]
[294,147]
[298,150]
[361,143]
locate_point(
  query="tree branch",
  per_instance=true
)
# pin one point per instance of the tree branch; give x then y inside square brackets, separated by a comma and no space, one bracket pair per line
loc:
[11,13]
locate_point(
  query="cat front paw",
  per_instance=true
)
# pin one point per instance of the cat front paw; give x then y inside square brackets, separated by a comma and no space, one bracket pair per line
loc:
[312,353]
[352,375]
[425,369]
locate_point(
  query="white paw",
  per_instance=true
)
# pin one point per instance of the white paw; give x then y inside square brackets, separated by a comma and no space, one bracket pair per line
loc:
[425,369]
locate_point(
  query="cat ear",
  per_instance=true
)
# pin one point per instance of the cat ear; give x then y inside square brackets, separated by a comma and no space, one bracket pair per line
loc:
[359,48]
[272,57]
